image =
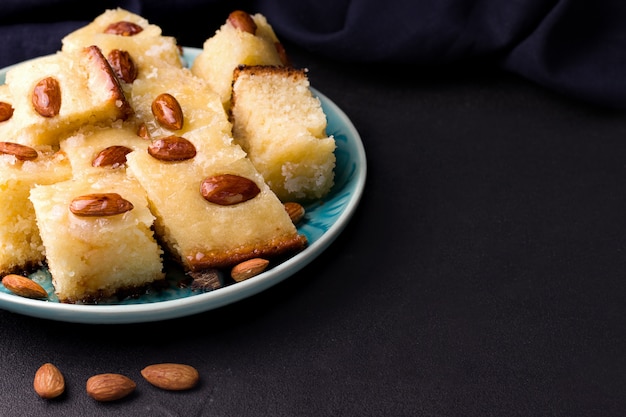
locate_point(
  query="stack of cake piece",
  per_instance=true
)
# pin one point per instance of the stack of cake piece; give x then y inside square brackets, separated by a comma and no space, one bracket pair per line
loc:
[118,157]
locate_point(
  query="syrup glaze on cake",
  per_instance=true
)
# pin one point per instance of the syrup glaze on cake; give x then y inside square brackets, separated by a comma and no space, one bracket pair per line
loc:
[143,162]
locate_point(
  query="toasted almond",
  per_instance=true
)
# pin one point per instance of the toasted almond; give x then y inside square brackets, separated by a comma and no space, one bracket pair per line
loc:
[113,156]
[102,73]
[171,376]
[46,97]
[123,28]
[49,382]
[6,111]
[21,152]
[248,269]
[167,111]
[100,204]
[123,65]
[295,211]
[242,21]
[228,189]
[23,286]
[109,387]
[172,148]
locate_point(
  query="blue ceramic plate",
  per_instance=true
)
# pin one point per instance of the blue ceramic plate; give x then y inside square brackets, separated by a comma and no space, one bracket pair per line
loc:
[323,222]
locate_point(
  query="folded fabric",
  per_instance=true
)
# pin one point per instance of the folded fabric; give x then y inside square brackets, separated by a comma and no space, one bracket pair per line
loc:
[575,47]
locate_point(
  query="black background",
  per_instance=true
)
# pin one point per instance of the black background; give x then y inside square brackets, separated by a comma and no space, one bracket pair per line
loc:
[482,274]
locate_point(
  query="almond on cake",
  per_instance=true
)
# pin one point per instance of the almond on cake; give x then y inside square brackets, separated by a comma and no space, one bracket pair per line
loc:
[214,210]
[198,105]
[100,149]
[126,36]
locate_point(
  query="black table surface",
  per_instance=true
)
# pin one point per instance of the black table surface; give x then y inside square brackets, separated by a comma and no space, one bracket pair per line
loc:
[483,274]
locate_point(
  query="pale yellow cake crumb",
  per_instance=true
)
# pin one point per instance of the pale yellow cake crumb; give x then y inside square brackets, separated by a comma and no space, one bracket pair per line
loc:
[91,258]
[21,247]
[230,47]
[282,126]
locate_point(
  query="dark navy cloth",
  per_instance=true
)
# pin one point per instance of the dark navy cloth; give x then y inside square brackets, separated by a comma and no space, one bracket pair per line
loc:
[575,47]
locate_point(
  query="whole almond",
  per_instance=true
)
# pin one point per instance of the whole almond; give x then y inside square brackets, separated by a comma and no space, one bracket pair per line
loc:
[123,65]
[23,286]
[172,148]
[103,73]
[123,28]
[6,111]
[167,111]
[46,97]
[49,382]
[295,211]
[248,269]
[21,152]
[113,156]
[228,189]
[242,21]
[171,376]
[100,204]
[109,387]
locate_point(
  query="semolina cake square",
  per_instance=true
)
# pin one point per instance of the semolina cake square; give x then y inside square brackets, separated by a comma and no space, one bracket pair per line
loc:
[147,48]
[21,247]
[200,105]
[74,89]
[100,149]
[200,234]
[98,256]
[231,46]
[282,126]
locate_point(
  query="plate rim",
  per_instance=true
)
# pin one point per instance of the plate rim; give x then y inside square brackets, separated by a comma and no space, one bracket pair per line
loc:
[198,303]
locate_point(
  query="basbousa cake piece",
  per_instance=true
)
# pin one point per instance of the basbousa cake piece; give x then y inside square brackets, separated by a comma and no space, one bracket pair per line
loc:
[282,126]
[198,104]
[56,94]
[202,234]
[120,30]
[101,149]
[21,247]
[98,156]
[98,237]
[242,40]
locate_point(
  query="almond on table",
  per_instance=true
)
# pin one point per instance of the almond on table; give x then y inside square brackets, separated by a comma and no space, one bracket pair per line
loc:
[109,387]
[49,382]
[171,376]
